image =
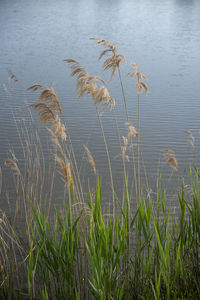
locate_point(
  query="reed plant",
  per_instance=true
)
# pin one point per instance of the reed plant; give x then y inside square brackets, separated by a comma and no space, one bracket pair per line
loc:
[81,251]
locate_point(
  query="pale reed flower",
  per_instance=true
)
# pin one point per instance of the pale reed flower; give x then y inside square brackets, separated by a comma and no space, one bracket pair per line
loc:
[173,162]
[45,114]
[191,139]
[47,97]
[91,159]
[65,170]
[140,85]
[132,130]
[170,158]
[112,62]
[88,85]
[58,130]
[12,165]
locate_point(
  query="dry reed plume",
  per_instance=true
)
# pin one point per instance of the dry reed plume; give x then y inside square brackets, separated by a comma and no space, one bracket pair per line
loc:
[45,114]
[88,85]
[170,158]
[58,130]
[91,159]
[112,62]
[124,148]
[47,97]
[12,165]
[65,169]
[140,83]
[47,102]
[131,130]
[191,139]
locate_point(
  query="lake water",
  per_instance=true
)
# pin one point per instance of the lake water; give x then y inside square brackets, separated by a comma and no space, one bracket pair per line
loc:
[163,37]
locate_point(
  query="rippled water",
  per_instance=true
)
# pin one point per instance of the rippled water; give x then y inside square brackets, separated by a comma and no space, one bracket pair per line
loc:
[163,37]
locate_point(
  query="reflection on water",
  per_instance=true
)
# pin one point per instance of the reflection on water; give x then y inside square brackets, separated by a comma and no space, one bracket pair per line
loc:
[163,37]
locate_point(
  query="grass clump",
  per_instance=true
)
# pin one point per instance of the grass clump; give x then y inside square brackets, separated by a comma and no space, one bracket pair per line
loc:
[137,249]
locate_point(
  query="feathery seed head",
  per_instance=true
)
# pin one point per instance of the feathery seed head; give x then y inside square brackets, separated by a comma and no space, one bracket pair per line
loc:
[47,101]
[171,159]
[138,87]
[190,135]
[48,96]
[135,70]
[132,130]
[88,85]
[124,148]
[140,75]
[173,162]
[65,170]
[58,130]
[76,68]
[91,159]
[12,165]
[110,102]
[140,84]
[112,62]
[101,94]
[44,112]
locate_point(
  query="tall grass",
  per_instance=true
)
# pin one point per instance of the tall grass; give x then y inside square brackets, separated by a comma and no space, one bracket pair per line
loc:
[81,251]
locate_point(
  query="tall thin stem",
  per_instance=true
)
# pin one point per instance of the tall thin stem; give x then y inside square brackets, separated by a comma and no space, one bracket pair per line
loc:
[138,144]
[109,162]
[123,159]
[111,180]
[127,117]
[123,94]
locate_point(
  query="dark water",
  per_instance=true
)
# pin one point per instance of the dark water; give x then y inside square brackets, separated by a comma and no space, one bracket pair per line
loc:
[163,37]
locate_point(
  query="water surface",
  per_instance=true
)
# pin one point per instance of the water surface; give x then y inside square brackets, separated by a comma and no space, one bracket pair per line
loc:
[163,37]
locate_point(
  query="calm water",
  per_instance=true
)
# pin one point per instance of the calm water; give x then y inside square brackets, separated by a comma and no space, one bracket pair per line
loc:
[163,37]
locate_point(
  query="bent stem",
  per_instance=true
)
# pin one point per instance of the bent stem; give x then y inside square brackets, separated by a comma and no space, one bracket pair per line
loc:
[138,144]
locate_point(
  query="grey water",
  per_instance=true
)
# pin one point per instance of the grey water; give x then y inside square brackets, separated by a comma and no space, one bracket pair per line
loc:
[162,37]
